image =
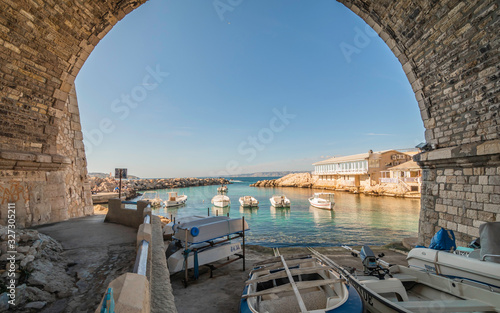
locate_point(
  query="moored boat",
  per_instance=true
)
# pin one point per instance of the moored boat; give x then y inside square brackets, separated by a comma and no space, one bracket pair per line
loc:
[174,199]
[322,200]
[248,201]
[280,201]
[298,284]
[221,201]
[222,189]
[396,288]
[153,198]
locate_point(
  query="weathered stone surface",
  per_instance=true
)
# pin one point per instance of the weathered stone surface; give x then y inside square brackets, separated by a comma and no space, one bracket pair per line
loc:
[448,50]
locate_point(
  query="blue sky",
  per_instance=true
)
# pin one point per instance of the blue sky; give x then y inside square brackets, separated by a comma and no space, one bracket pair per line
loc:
[178,88]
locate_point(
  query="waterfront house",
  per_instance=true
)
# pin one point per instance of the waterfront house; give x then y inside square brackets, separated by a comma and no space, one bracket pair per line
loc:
[359,170]
[408,175]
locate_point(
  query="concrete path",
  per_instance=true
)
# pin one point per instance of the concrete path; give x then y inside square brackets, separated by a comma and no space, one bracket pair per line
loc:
[99,252]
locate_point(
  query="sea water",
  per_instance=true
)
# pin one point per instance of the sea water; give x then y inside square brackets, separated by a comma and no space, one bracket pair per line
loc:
[354,220]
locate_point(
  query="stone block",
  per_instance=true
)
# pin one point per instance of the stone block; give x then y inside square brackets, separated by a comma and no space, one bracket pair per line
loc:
[489,207]
[483,180]
[144,233]
[131,294]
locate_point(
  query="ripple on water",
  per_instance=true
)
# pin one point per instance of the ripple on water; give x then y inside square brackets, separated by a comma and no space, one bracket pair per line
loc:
[355,220]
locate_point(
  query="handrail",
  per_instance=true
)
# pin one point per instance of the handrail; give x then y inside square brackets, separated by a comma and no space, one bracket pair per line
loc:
[141,261]
[490,255]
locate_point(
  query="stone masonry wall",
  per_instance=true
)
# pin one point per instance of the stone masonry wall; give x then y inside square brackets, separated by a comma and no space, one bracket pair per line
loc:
[448,49]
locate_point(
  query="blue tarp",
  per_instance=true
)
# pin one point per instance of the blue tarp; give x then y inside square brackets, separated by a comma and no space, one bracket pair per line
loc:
[444,239]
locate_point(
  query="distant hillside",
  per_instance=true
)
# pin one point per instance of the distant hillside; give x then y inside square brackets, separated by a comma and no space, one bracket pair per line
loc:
[104,175]
[268,174]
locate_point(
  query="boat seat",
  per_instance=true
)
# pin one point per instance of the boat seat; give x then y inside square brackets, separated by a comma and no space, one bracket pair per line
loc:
[404,278]
[447,306]
[387,286]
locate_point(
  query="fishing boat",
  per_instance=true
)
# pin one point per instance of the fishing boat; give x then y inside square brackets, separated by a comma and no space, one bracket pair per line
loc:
[280,201]
[153,198]
[478,265]
[322,200]
[395,288]
[204,240]
[221,201]
[222,189]
[174,199]
[298,284]
[248,202]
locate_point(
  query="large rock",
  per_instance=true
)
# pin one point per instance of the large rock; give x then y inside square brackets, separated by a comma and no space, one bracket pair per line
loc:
[51,277]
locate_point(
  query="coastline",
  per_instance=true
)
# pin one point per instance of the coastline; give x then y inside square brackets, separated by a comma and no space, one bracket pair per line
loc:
[306,180]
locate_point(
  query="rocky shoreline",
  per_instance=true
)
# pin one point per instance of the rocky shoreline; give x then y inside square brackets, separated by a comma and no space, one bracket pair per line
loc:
[131,187]
[306,180]
[41,276]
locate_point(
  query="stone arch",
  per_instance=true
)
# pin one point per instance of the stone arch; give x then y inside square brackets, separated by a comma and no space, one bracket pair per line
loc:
[448,50]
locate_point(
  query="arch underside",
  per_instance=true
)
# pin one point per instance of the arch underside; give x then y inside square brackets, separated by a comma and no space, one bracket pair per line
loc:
[448,50]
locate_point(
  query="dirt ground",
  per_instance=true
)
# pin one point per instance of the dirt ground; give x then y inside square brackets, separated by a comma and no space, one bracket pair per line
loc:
[221,294]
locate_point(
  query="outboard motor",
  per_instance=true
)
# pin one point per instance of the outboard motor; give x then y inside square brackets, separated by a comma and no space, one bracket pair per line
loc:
[368,258]
[370,264]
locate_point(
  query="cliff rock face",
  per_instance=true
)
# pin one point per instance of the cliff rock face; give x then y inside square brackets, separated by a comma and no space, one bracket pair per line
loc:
[302,180]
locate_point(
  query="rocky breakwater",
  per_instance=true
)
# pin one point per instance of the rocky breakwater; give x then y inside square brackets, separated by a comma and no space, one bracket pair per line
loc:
[131,186]
[40,272]
[301,180]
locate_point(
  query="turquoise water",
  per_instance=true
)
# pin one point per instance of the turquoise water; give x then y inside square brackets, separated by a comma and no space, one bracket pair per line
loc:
[355,219]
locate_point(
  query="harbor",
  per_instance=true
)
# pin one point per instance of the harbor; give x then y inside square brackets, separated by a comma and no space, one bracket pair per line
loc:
[356,219]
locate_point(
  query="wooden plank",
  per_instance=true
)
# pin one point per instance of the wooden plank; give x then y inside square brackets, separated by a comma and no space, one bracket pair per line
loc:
[288,287]
[277,259]
[274,266]
[294,271]
[302,305]
[447,305]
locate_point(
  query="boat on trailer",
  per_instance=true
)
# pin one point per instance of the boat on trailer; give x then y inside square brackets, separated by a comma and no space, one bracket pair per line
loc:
[323,200]
[174,199]
[394,288]
[297,284]
[205,240]
[248,202]
[280,201]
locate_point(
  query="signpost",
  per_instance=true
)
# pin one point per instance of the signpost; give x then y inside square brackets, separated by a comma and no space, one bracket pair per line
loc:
[120,173]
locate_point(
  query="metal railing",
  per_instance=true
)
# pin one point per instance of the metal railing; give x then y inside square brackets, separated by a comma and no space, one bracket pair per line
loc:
[141,260]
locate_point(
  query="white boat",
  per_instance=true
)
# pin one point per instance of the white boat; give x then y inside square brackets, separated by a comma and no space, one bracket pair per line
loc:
[205,235]
[322,200]
[248,201]
[478,266]
[222,189]
[221,201]
[174,199]
[168,230]
[455,266]
[153,198]
[199,230]
[298,284]
[280,201]
[397,288]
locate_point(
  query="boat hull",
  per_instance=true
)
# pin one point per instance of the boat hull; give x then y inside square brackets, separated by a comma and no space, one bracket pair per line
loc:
[179,201]
[205,256]
[333,296]
[455,266]
[325,206]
